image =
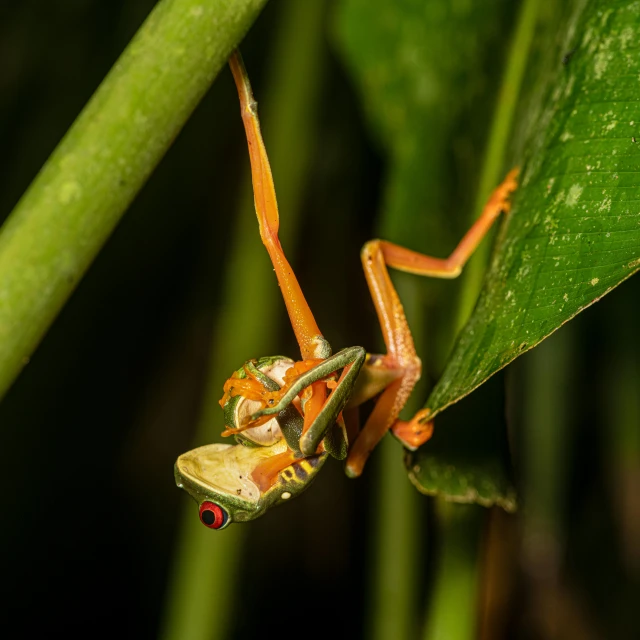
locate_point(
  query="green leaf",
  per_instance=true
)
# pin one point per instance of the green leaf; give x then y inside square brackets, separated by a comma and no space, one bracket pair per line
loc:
[574,231]
[76,200]
[468,480]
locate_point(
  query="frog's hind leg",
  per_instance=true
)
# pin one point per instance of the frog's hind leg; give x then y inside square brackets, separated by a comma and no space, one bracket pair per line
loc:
[401,355]
[376,256]
[311,342]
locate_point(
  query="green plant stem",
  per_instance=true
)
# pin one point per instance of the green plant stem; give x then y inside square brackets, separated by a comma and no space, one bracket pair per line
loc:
[545,447]
[498,141]
[622,415]
[205,574]
[395,521]
[452,613]
[74,203]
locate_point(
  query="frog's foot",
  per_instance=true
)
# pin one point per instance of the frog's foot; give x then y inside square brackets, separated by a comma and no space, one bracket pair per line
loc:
[249,388]
[296,381]
[415,432]
[266,472]
[232,431]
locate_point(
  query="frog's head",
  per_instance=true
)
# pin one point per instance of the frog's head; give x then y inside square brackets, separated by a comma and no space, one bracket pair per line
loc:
[219,478]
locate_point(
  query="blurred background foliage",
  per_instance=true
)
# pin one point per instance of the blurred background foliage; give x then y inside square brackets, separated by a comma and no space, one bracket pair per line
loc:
[97,539]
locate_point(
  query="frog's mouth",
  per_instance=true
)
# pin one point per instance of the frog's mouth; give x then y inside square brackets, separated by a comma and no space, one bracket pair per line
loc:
[223,469]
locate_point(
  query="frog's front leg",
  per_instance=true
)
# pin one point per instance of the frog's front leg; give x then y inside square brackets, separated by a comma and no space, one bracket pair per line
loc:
[351,362]
[324,368]
[322,418]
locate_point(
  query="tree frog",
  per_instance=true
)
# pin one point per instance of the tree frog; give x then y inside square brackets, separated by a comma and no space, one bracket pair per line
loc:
[289,416]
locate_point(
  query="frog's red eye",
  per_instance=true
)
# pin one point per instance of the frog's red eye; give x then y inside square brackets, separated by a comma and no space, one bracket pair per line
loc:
[212,515]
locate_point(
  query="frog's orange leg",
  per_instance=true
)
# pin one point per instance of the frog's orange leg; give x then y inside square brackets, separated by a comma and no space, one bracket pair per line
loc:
[412,262]
[266,472]
[312,345]
[376,256]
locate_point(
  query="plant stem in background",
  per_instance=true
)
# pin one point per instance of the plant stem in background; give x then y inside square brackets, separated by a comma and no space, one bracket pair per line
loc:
[622,416]
[452,612]
[497,144]
[395,520]
[73,205]
[204,584]
[546,437]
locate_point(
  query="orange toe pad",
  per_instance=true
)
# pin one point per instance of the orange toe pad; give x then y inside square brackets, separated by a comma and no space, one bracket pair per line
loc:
[415,432]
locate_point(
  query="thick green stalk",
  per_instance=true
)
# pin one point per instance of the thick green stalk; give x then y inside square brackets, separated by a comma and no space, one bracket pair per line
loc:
[498,141]
[202,591]
[74,203]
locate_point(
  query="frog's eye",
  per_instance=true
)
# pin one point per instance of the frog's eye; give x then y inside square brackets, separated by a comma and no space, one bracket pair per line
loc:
[213,515]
